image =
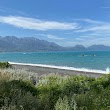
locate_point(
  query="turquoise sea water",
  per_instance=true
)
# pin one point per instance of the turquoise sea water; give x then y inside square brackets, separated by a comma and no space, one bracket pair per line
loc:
[99,60]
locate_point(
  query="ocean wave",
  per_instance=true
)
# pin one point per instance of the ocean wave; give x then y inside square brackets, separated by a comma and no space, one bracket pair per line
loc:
[64,68]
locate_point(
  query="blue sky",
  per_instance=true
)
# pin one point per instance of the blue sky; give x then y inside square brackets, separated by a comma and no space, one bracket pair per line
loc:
[65,22]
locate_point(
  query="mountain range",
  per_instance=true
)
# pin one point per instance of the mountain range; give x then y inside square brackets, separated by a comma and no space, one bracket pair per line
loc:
[31,44]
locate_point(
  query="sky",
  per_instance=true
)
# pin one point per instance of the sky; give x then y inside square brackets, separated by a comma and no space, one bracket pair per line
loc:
[65,22]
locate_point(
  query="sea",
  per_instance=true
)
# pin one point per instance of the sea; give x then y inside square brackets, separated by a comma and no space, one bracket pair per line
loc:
[98,61]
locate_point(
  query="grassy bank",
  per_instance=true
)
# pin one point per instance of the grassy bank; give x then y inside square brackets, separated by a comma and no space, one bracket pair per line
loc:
[52,92]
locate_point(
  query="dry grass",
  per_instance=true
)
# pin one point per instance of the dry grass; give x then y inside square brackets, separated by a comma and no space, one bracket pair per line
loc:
[16,74]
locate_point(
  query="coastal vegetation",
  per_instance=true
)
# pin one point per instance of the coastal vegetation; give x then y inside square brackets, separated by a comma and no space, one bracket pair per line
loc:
[4,65]
[52,92]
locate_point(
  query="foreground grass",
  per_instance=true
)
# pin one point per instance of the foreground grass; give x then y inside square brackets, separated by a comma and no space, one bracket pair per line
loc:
[52,92]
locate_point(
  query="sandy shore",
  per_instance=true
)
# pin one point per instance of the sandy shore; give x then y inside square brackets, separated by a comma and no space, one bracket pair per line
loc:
[47,70]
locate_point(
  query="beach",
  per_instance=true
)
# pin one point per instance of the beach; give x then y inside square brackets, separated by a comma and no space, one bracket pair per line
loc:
[45,70]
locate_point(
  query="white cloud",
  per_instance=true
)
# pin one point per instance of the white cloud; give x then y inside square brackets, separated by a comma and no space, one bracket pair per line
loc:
[100,28]
[50,36]
[87,42]
[91,32]
[79,39]
[90,21]
[37,24]
[82,31]
[40,35]
[94,27]
[54,37]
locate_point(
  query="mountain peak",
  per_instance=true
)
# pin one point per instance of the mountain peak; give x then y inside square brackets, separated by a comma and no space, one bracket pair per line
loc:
[32,44]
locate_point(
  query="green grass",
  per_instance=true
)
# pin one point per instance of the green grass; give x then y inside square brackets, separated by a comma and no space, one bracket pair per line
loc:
[52,92]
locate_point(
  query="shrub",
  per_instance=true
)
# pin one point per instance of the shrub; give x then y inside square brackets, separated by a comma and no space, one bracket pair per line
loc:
[4,65]
[62,104]
[52,92]
[49,91]
[66,103]
[76,85]
[18,93]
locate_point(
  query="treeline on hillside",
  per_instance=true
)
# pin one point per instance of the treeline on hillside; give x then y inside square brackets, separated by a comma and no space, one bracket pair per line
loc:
[52,92]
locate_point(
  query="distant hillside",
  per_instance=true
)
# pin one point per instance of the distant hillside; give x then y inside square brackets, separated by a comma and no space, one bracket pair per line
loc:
[98,47]
[31,44]
[11,43]
[76,48]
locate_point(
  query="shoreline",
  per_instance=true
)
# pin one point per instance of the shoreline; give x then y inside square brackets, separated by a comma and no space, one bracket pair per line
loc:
[47,69]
